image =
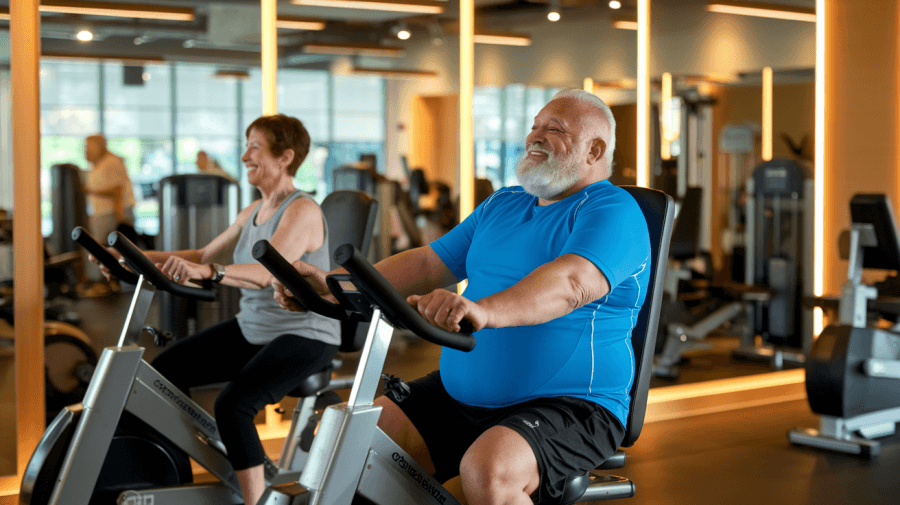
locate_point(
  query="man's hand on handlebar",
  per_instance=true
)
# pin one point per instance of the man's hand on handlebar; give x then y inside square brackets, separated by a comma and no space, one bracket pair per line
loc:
[103,268]
[183,271]
[314,276]
[446,309]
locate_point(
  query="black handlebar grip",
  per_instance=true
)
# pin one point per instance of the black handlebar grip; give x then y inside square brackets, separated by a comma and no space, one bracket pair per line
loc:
[142,264]
[269,257]
[90,244]
[370,281]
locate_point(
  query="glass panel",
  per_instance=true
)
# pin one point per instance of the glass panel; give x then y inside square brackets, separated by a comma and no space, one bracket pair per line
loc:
[517,124]
[359,93]
[205,105]
[349,127]
[487,107]
[70,83]
[147,160]
[154,93]
[69,120]
[488,161]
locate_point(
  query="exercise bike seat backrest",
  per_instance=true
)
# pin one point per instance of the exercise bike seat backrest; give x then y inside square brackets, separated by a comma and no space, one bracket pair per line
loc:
[350,215]
[659,212]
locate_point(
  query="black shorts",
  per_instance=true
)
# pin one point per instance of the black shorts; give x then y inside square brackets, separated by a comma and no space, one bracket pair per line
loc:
[569,436]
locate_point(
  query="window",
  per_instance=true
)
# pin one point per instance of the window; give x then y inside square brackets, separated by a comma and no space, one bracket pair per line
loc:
[160,123]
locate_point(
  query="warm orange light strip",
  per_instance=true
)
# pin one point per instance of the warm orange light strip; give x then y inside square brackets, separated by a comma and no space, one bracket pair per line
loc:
[269,55]
[294,23]
[767,113]
[643,93]
[763,10]
[624,24]
[665,99]
[724,386]
[376,5]
[352,50]
[4,14]
[819,240]
[588,85]
[466,94]
[119,10]
[394,72]
[502,39]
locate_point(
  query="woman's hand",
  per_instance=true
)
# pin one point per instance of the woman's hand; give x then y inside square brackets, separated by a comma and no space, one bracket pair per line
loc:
[103,268]
[314,276]
[446,309]
[183,271]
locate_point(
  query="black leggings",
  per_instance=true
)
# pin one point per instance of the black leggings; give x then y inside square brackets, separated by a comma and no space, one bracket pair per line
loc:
[258,375]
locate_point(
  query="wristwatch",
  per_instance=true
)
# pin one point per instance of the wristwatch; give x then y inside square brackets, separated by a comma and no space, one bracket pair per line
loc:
[219,270]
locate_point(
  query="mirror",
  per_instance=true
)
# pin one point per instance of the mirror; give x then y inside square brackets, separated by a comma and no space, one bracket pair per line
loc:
[715,128]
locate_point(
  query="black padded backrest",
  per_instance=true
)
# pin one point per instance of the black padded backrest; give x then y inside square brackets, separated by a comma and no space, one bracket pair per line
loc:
[659,211]
[875,209]
[350,215]
[686,234]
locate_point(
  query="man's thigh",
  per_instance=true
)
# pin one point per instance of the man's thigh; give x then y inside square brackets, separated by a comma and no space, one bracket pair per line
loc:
[568,437]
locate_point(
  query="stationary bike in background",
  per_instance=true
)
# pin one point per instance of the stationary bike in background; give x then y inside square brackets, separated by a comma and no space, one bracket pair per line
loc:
[853,367]
[351,457]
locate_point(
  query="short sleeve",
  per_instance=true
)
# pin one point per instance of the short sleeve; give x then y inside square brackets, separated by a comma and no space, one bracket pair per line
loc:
[611,232]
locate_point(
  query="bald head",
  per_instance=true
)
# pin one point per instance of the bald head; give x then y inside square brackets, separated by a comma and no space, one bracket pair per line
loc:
[94,147]
[598,121]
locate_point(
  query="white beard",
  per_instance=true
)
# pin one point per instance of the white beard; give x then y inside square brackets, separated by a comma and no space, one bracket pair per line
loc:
[550,177]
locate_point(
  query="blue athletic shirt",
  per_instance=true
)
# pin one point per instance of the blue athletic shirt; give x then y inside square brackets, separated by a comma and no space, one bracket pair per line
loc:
[584,354]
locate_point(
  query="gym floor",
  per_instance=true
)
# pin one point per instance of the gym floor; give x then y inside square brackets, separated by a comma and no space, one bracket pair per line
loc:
[729,448]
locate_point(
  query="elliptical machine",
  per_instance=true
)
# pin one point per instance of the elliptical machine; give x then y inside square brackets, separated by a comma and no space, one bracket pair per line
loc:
[853,368]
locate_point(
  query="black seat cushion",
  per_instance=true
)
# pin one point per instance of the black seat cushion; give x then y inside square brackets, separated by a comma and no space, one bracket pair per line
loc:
[312,384]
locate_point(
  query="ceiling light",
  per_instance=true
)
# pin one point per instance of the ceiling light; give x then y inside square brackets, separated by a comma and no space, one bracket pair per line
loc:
[615,4]
[295,23]
[763,10]
[119,10]
[553,10]
[417,6]
[353,50]
[84,35]
[401,31]
[625,24]
[4,13]
[240,75]
[503,39]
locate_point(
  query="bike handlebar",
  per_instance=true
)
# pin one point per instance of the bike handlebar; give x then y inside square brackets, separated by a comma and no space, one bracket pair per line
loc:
[308,297]
[86,240]
[141,264]
[368,280]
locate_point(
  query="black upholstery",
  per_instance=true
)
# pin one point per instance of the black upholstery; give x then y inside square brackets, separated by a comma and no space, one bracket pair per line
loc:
[659,211]
[686,233]
[350,215]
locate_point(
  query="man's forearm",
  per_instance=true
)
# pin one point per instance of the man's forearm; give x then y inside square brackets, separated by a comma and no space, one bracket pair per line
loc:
[416,271]
[550,291]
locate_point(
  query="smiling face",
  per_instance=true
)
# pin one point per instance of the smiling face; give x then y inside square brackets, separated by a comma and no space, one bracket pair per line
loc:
[261,165]
[563,151]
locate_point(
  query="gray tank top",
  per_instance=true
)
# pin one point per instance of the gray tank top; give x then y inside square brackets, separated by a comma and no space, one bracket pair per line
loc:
[260,318]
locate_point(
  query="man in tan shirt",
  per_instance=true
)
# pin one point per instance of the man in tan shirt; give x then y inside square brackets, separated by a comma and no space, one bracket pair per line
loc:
[110,196]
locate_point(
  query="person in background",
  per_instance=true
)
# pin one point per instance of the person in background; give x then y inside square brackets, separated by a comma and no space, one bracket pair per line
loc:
[208,165]
[110,199]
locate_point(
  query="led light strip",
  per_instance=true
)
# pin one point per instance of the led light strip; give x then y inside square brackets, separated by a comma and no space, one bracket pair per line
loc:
[375,5]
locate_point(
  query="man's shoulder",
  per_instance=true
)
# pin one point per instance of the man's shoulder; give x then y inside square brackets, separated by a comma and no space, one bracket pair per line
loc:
[509,194]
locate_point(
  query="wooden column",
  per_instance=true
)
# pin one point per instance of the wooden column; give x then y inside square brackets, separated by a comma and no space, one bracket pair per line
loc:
[28,242]
[861,115]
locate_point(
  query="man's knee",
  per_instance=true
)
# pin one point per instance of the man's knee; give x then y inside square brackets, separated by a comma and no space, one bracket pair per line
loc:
[500,462]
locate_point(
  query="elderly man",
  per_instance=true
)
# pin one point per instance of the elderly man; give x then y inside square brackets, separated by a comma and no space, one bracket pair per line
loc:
[110,196]
[557,273]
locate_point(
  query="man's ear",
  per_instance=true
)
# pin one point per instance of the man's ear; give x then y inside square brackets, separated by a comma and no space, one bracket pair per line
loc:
[596,150]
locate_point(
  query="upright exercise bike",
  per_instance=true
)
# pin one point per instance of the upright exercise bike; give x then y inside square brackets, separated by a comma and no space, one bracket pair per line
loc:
[351,456]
